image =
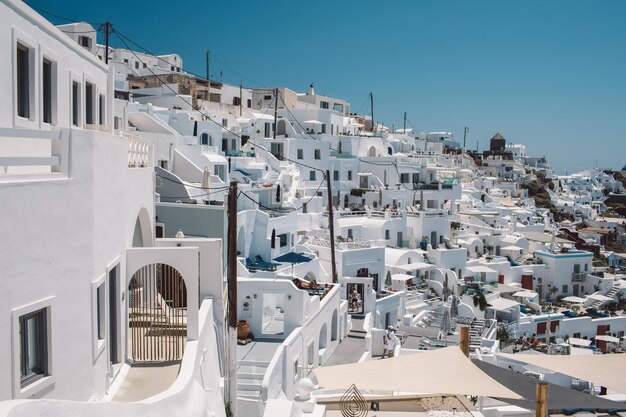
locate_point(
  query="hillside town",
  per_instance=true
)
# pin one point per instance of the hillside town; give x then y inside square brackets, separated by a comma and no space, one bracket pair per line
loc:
[179,246]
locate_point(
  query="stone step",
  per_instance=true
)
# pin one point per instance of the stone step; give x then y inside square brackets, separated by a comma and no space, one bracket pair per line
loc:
[249,384]
[243,393]
[252,362]
[250,375]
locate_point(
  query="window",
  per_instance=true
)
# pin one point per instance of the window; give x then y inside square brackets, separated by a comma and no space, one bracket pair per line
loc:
[125,61]
[33,339]
[267,97]
[46,74]
[311,175]
[172,68]
[300,154]
[75,103]
[349,175]
[84,41]
[145,65]
[387,234]
[225,123]
[304,208]
[268,131]
[338,107]
[564,289]
[349,233]
[283,240]
[236,101]
[136,64]
[101,109]
[100,323]
[89,103]
[323,104]
[318,154]
[336,175]
[324,128]
[404,178]
[23,81]
[249,103]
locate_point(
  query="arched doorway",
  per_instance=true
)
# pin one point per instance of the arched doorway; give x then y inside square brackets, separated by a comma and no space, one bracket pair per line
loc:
[142,233]
[372,151]
[241,241]
[323,340]
[157,314]
[281,128]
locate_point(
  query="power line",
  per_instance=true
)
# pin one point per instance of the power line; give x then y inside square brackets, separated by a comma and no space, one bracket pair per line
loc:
[191,186]
[196,108]
[67,19]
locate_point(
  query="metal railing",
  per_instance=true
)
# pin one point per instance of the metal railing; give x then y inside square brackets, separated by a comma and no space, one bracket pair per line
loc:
[578,276]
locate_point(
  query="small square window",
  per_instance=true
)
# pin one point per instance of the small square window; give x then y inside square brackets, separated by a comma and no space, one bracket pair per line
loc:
[300,154]
[318,154]
[349,175]
[311,175]
[336,175]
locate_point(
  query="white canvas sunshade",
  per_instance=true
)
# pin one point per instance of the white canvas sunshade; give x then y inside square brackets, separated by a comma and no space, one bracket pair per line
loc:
[525,294]
[607,338]
[578,342]
[574,299]
[440,371]
[313,122]
[604,370]
[600,297]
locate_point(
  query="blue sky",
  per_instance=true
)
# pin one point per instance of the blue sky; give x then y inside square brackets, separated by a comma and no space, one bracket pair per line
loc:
[549,74]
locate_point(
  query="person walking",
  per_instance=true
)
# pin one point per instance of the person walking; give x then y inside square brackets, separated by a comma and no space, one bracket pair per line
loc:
[391,342]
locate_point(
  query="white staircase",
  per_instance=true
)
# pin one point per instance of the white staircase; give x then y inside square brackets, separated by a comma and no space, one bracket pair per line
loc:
[250,375]
[611,294]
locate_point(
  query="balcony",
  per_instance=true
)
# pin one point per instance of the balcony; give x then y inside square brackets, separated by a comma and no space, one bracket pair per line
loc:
[578,276]
[33,154]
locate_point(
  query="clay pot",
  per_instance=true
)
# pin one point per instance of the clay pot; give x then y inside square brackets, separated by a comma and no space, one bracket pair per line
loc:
[243,328]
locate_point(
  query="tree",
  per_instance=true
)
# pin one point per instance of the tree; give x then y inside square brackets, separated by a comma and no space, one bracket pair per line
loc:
[503,335]
[480,301]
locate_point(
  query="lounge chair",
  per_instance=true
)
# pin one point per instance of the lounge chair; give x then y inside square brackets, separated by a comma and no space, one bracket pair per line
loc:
[261,264]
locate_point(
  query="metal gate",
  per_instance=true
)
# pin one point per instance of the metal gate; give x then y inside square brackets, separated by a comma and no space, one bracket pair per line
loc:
[157,300]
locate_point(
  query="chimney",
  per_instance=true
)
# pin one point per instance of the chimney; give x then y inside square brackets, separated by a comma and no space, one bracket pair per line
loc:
[311,90]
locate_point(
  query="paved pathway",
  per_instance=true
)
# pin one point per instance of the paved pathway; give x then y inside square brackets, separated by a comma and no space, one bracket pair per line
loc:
[144,381]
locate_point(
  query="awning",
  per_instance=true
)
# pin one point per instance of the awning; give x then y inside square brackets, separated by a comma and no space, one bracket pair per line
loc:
[604,370]
[440,371]
[313,122]
[414,266]
[542,237]
[262,116]
[503,304]
[607,338]
[599,297]
[573,299]
[525,294]
[507,289]
[579,342]
[558,397]
[480,268]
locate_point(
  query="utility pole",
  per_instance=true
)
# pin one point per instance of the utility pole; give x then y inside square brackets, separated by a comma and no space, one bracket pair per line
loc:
[372,109]
[240,97]
[404,131]
[231,342]
[275,110]
[331,227]
[465,131]
[107,29]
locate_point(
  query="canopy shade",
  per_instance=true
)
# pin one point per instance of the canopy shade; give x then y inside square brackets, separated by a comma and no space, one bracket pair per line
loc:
[525,294]
[574,299]
[605,370]
[414,266]
[578,342]
[599,297]
[502,304]
[607,338]
[313,122]
[558,397]
[440,371]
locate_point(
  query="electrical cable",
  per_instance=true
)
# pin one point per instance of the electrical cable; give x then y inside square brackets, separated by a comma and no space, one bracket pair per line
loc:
[121,38]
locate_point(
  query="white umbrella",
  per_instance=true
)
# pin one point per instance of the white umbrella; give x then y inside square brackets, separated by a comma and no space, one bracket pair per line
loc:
[313,122]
